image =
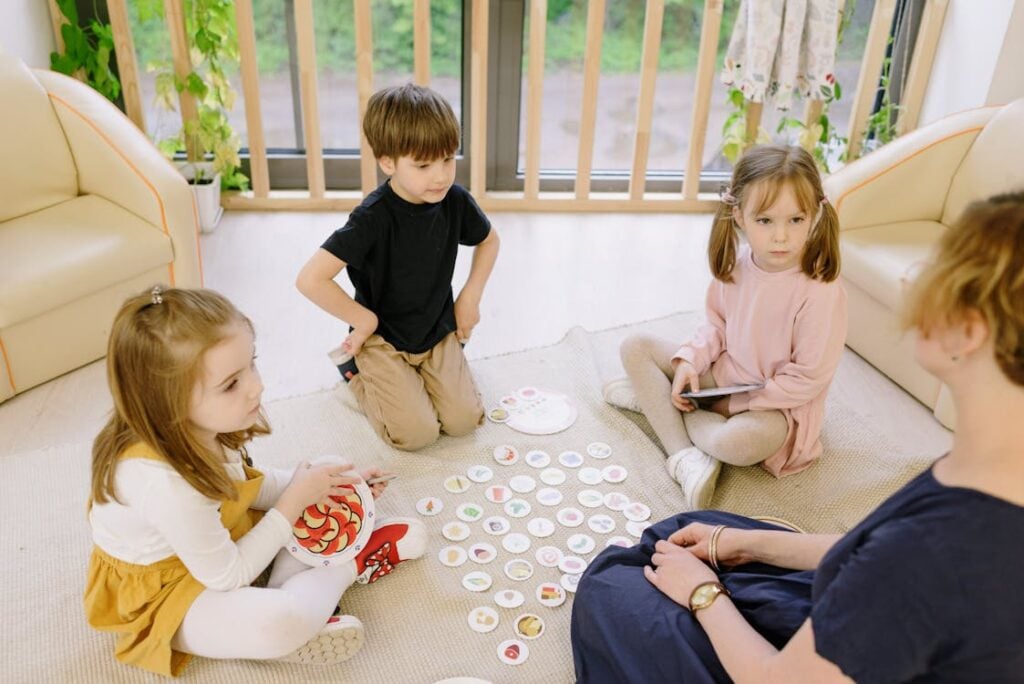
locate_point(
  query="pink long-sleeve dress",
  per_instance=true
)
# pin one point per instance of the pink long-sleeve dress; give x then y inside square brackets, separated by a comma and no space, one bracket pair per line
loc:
[782,329]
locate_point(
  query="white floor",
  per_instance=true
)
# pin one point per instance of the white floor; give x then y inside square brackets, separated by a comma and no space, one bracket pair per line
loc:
[555,271]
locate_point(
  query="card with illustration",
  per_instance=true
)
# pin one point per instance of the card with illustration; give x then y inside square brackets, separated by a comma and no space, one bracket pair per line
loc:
[535,411]
[325,536]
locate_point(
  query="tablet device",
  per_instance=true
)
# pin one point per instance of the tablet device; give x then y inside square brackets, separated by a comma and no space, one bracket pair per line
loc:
[721,391]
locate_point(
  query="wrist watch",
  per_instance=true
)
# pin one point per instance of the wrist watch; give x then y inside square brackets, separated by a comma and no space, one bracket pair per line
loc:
[704,594]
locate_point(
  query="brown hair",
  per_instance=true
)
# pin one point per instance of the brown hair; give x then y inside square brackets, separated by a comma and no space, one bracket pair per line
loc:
[774,167]
[410,121]
[154,360]
[979,266]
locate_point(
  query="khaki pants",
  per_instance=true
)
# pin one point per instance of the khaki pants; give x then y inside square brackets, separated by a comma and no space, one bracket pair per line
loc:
[411,398]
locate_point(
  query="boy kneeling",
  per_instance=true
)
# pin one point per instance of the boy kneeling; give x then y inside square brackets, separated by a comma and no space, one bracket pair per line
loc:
[406,332]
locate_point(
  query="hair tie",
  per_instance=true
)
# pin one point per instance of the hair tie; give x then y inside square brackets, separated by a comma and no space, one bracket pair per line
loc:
[156,293]
[824,201]
[725,193]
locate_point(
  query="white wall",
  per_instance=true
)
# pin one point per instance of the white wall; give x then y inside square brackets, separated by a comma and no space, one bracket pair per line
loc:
[968,54]
[26,32]
[1008,79]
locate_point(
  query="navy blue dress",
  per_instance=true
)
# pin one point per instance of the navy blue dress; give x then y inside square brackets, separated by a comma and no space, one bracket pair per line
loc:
[921,590]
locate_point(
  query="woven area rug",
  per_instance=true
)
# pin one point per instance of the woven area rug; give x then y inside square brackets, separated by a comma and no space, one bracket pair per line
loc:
[416,618]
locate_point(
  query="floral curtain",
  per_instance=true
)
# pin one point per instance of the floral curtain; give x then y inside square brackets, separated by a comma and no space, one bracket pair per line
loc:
[779,47]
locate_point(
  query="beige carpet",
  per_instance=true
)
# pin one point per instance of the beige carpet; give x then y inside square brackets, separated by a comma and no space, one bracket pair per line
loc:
[876,438]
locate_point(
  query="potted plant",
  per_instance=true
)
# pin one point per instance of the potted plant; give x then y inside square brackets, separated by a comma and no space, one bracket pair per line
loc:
[213,161]
[205,182]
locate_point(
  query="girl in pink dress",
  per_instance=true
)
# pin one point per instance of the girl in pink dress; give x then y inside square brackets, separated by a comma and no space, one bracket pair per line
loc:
[776,318]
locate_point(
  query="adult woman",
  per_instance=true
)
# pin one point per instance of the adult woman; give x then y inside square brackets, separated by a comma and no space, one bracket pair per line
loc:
[912,593]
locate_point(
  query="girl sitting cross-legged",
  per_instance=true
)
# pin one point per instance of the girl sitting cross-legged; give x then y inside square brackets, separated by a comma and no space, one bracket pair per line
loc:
[776,317]
[182,524]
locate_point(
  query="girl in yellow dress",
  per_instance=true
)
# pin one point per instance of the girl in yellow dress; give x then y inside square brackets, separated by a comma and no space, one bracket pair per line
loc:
[182,524]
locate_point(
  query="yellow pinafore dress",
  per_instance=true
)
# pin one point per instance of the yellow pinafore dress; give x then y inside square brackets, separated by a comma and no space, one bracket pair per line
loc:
[145,604]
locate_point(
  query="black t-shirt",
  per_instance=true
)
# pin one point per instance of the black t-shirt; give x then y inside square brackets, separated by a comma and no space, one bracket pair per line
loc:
[926,590]
[401,257]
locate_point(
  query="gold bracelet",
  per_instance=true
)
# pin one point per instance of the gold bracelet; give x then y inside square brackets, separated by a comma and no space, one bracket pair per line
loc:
[713,547]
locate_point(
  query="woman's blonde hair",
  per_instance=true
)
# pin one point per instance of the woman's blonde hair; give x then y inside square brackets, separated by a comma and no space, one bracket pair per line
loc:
[410,121]
[979,266]
[773,167]
[154,360]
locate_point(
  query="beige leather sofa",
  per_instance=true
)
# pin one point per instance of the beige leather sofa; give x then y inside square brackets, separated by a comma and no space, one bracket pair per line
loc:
[893,206]
[90,212]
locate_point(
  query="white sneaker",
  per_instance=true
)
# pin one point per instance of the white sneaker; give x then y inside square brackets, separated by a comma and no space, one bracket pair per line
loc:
[620,393]
[697,474]
[340,639]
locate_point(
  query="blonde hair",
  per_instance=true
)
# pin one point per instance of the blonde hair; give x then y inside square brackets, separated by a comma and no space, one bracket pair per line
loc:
[410,121]
[154,360]
[979,266]
[773,167]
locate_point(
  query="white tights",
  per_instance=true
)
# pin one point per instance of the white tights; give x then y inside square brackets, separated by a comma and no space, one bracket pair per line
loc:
[264,623]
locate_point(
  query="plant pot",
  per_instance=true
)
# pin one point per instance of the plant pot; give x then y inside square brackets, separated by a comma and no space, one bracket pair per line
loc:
[207,192]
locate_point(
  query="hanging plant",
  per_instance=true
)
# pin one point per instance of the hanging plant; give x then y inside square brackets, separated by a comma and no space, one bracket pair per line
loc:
[210,29]
[87,52]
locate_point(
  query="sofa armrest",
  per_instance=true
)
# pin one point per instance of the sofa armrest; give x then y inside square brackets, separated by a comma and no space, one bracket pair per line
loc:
[907,179]
[116,161]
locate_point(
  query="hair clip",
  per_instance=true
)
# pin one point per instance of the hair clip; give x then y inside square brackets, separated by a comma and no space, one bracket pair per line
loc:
[157,296]
[725,194]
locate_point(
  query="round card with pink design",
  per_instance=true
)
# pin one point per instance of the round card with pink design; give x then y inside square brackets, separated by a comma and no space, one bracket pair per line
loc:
[538,411]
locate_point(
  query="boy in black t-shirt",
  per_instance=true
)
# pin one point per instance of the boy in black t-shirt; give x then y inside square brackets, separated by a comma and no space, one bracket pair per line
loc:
[399,246]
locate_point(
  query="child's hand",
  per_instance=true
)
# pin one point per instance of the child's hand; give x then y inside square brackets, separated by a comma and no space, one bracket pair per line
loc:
[315,484]
[378,488]
[467,315]
[353,344]
[686,376]
[362,327]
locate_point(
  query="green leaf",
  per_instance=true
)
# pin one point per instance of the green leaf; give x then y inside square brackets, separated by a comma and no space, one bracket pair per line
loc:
[195,85]
[62,64]
[69,10]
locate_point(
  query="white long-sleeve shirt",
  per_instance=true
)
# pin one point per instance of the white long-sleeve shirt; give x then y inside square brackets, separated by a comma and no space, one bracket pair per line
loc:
[162,515]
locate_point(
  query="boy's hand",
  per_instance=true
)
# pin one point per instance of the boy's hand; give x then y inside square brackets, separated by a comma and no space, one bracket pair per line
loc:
[467,315]
[362,328]
[685,376]
[353,344]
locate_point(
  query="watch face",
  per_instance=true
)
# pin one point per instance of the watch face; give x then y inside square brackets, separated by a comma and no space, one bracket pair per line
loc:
[704,595]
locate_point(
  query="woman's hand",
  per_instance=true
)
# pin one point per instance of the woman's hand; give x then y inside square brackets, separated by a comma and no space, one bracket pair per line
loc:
[728,548]
[379,487]
[685,376]
[315,484]
[675,571]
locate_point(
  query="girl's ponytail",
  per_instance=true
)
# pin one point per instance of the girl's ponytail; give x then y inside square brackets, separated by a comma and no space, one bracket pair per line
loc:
[821,259]
[722,243]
